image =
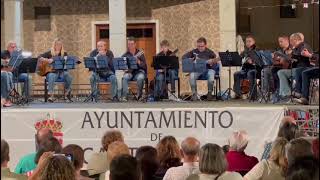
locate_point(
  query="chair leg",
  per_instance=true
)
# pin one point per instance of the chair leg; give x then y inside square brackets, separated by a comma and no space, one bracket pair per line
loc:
[179,95]
[45,90]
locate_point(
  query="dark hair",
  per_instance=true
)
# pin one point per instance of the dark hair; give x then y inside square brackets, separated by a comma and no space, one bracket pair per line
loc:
[45,136]
[303,168]
[284,37]
[225,148]
[168,151]
[51,144]
[251,37]
[202,40]
[131,39]
[124,167]
[4,151]
[164,43]
[288,130]
[148,162]
[77,154]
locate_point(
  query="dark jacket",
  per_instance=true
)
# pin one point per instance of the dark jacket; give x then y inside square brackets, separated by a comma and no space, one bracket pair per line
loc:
[301,61]
[206,54]
[109,54]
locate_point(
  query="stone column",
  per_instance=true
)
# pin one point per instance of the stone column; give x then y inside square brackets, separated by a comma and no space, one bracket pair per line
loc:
[13,21]
[118,31]
[227,16]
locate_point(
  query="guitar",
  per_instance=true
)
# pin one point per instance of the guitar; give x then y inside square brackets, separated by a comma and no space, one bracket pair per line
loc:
[44,67]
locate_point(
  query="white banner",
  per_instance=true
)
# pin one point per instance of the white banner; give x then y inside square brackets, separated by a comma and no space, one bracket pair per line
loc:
[85,127]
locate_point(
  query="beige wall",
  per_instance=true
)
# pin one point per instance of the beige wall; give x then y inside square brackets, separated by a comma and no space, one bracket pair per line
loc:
[266,23]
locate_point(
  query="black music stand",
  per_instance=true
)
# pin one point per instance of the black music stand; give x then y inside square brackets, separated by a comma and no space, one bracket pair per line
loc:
[191,65]
[230,59]
[132,63]
[61,64]
[165,63]
[120,63]
[15,62]
[96,64]
[28,65]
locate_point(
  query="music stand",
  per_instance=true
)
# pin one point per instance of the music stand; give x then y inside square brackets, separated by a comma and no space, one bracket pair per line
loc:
[132,63]
[96,64]
[120,63]
[165,63]
[191,65]
[15,62]
[230,59]
[61,64]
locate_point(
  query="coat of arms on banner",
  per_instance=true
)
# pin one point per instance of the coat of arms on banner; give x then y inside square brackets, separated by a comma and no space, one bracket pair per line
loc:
[54,125]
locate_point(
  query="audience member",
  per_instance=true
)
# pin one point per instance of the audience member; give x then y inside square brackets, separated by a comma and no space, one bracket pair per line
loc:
[168,154]
[5,171]
[274,167]
[148,162]
[226,148]
[297,148]
[27,163]
[189,149]
[124,167]
[315,148]
[77,158]
[288,129]
[115,149]
[237,159]
[213,165]
[303,168]
[97,163]
[54,167]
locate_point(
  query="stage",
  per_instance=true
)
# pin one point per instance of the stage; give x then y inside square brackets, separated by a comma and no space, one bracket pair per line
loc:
[146,123]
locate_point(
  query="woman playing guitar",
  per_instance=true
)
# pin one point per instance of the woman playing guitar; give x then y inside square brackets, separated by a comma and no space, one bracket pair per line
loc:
[45,69]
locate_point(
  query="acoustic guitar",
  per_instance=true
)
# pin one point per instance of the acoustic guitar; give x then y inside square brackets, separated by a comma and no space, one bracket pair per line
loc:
[44,67]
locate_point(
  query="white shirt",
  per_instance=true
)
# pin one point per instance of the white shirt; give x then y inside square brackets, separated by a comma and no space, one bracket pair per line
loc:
[182,172]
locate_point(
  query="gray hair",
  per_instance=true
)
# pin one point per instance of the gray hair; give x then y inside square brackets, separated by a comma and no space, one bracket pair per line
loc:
[238,141]
[297,36]
[212,159]
[297,148]
[190,146]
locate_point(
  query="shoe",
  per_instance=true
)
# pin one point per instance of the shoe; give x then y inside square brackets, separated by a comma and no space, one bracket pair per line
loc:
[297,95]
[209,96]
[124,99]
[237,97]
[194,97]
[68,96]
[115,99]
[275,98]
[8,103]
[51,99]
[302,100]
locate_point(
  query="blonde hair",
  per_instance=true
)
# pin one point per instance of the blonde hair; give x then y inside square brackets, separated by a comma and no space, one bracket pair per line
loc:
[278,153]
[11,42]
[117,148]
[297,36]
[53,52]
[240,44]
[238,140]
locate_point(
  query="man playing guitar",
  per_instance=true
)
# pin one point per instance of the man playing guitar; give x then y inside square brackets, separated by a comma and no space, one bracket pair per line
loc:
[138,74]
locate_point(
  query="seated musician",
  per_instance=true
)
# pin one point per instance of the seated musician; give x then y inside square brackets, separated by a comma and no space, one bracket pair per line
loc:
[23,77]
[107,75]
[303,62]
[202,52]
[248,70]
[57,49]
[172,74]
[307,75]
[139,74]
[284,48]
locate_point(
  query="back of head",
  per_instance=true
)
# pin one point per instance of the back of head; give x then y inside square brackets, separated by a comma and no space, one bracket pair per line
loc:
[42,135]
[4,151]
[115,149]
[297,148]
[168,149]
[303,168]
[277,154]
[238,141]
[50,144]
[288,130]
[148,161]
[77,154]
[124,167]
[190,146]
[110,137]
[212,159]
[57,168]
